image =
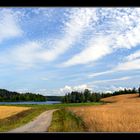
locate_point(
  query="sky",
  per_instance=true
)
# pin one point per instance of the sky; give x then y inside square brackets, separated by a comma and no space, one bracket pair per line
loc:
[53,51]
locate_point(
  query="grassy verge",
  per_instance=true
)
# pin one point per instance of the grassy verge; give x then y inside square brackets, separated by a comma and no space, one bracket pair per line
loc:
[66,121]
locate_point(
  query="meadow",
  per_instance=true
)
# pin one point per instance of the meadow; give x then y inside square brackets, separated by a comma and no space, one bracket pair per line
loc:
[120,114]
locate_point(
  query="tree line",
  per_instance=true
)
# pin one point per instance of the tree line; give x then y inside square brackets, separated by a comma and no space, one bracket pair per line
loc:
[9,96]
[54,98]
[88,96]
[81,97]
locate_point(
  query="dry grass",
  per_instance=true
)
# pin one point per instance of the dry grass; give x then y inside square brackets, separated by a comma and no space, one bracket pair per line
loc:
[122,115]
[8,111]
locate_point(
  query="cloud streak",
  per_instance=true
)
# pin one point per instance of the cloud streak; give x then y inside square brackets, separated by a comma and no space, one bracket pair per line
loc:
[9,26]
[31,52]
[120,29]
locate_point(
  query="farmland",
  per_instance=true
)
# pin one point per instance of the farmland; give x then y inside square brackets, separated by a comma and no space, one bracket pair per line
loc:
[7,111]
[121,114]
[118,113]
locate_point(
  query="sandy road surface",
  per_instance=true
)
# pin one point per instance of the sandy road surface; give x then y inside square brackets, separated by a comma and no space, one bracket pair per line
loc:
[40,124]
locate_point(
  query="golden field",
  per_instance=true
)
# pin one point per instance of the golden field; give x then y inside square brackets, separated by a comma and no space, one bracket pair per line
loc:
[7,111]
[121,115]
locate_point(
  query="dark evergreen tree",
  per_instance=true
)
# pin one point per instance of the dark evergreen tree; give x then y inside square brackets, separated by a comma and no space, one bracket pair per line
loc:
[139,91]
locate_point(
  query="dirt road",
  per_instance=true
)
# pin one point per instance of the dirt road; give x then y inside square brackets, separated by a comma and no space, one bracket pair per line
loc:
[40,124]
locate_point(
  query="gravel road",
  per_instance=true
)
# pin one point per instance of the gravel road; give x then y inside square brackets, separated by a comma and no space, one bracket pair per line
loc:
[40,124]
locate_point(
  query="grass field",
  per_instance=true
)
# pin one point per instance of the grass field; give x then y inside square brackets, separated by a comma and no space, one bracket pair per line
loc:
[121,115]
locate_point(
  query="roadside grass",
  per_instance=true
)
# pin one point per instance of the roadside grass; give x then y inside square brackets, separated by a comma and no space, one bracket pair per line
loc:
[19,119]
[66,121]
[26,116]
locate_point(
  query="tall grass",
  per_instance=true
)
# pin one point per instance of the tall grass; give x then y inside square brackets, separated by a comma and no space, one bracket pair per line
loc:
[65,121]
[123,115]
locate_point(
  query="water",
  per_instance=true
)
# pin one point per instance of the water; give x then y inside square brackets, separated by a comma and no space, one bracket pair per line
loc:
[31,102]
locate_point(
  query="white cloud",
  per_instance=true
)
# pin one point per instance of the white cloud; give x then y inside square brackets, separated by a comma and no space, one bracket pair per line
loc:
[115,28]
[111,80]
[29,53]
[108,91]
[23,55]
[133,56]
[78,21]
[97,48]
[131,62]
[23,90]
[9,26]
[100,73]
[44,78]
[79,88]
[129,65]
[115,88]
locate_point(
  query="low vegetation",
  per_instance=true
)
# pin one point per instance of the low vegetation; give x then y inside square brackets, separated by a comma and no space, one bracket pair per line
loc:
[121,115]
[66,121]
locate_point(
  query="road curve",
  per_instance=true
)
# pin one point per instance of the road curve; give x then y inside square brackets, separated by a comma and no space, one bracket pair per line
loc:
[40,124]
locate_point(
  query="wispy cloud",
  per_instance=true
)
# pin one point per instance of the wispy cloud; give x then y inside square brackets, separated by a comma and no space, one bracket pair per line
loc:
[9,26]
[77,21]
[128,65]
[100,73]
[29,53]
[40,42]
[111,80]
[120,29]
[97,48]
[133,56]
[45,78]
[130,62]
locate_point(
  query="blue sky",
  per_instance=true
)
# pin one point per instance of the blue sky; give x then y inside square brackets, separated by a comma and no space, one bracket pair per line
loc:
[56,50]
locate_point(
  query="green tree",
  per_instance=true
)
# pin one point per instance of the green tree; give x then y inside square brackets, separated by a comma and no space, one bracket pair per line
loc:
[87,95]
[139,91]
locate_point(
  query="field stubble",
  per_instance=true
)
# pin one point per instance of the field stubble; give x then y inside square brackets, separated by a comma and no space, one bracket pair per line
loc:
[7,111]
[122,115]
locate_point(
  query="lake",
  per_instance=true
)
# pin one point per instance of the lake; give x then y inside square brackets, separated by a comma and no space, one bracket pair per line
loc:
[31,102]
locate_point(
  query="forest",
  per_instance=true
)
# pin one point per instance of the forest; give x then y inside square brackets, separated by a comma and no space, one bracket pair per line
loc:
[10,96]
[88,96]
[54,98]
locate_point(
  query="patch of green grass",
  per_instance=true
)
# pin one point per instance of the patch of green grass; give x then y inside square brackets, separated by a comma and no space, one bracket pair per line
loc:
[66,121]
